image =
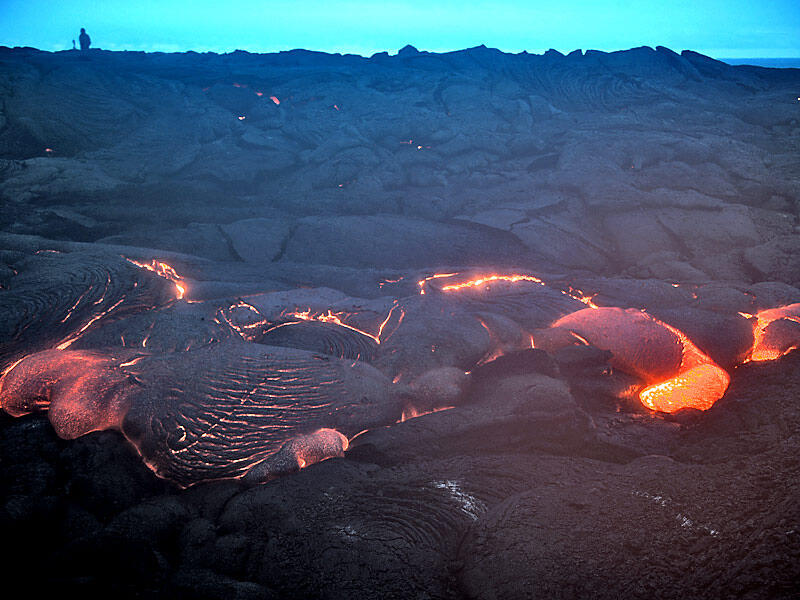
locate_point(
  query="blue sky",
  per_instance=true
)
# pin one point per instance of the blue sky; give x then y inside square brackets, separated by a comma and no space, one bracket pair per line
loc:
[719,28]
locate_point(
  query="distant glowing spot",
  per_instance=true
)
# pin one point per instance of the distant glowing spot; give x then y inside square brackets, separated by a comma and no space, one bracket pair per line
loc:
[241,117]
[275,99]
[409,142]
[419,147]
[386,281]
[259,94]
[131,362]
[336,106]
[48,150]
[239,85]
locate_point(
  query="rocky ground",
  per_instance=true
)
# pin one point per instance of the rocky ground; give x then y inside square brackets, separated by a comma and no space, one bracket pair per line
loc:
[645,178]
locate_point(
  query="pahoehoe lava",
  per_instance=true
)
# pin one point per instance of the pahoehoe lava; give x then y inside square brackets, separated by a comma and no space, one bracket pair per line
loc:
[459,325]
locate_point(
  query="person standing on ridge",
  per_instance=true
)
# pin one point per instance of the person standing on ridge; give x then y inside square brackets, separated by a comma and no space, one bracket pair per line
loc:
[84,39]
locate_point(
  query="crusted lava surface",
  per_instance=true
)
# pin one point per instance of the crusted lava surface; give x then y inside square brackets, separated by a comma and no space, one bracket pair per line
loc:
[469,325]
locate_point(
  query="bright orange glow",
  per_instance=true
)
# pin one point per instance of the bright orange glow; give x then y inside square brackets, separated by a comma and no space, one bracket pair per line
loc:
[676,372]
[699,387]
[700,382]
[488,279]
[421,283]
[765,349]
[162,269]
[241,117]
[581,297]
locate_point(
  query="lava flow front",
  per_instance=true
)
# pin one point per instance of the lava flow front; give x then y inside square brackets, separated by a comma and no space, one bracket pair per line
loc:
[676,372]
[777,332]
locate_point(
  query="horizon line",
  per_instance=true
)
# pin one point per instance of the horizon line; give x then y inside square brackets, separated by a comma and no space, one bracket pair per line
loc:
[172,49]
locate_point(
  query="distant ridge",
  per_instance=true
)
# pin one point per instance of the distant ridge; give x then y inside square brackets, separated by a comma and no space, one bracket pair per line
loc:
[772,63]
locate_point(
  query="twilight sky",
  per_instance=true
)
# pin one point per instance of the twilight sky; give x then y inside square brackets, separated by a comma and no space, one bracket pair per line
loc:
[719,28]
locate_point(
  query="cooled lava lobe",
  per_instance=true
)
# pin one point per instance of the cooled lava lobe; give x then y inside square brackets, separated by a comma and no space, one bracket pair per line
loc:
[208,413]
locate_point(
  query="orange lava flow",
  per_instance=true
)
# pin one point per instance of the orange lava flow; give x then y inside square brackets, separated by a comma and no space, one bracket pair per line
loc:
[700,382]
[162,269]
[676,372]
[765,348]
[699,387]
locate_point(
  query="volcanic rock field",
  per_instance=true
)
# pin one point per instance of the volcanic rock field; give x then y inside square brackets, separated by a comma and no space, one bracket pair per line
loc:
[470,325]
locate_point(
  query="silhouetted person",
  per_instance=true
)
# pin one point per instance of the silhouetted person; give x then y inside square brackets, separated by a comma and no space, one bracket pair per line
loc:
[84,39]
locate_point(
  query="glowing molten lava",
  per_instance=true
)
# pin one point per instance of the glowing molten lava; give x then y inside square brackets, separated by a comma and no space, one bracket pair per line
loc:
[776,333]
[677,373]
[162,269]
[696,388]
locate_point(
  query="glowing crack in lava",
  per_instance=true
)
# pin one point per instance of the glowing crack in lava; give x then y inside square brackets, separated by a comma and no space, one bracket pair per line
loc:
[162,269]
[677,374]
[337,319]
[483,281]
